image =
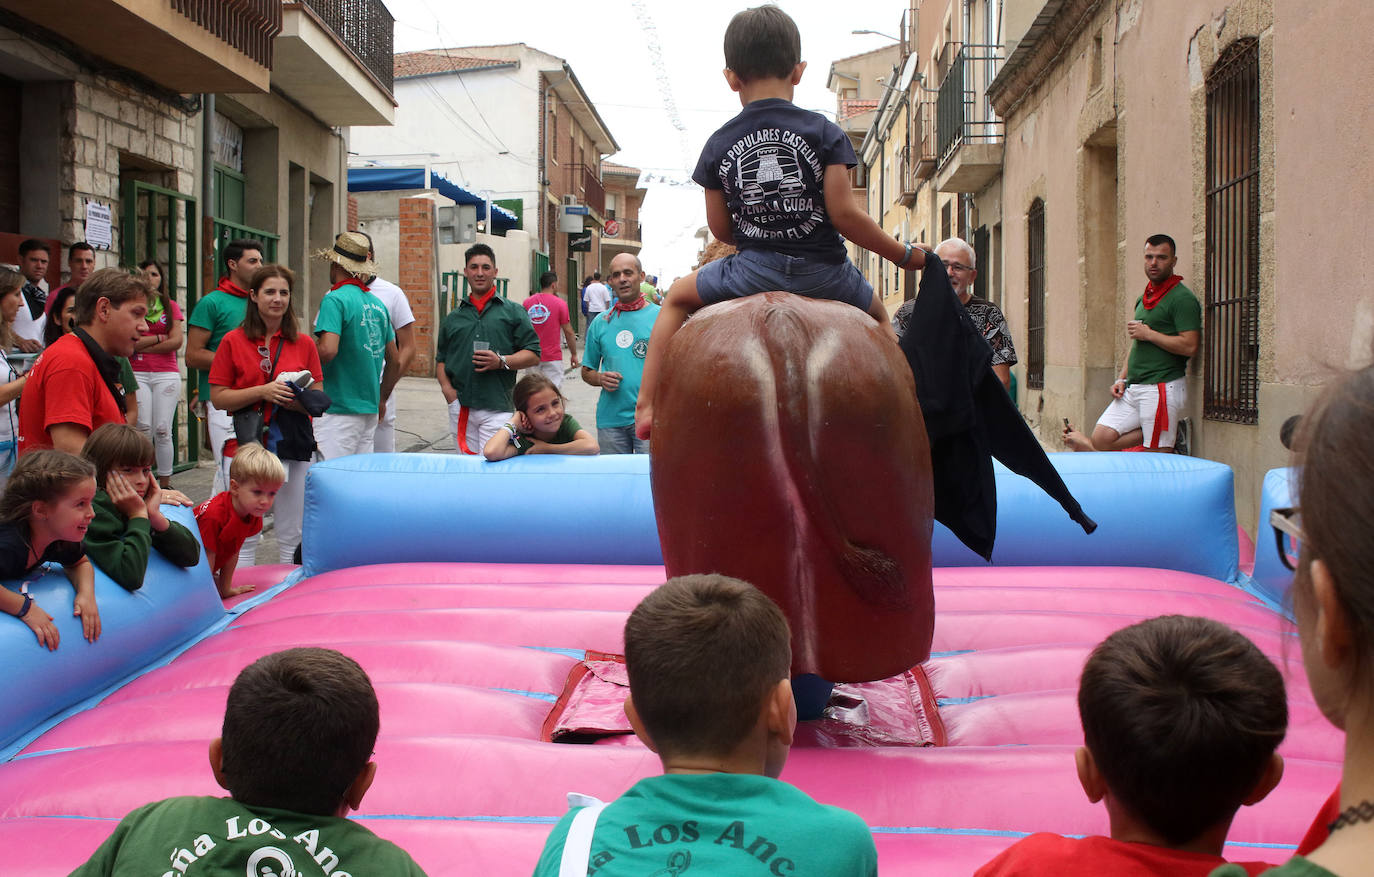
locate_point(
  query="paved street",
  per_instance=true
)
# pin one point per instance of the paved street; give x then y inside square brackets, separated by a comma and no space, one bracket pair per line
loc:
[422,426]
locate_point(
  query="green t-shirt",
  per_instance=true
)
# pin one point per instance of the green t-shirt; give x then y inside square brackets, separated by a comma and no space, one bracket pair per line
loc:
[1294,867]
[566,432]
[1176,313]
[217,313]
[353,377]
[726,825]
[126,376]
[502,324]
[200,837]
[619,345]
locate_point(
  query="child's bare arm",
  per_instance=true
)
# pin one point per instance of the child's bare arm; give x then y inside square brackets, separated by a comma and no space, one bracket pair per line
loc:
[583,445]
[226,579]
[682,300]
[498,447]
[82,577]
[718,217]
[40,622]
[857,226]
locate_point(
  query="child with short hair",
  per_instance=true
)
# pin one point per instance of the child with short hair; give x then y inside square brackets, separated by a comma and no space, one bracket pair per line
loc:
[540,426]
[43,518]
[778,188]
[228,518]
[1181,720]
[708,659]
[295,755]
[128,508]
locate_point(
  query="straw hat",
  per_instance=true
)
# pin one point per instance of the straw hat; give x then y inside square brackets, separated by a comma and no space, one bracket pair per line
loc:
[350,253]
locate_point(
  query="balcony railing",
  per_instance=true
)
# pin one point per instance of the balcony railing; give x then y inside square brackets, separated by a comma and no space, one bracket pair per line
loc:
[248,25]
[907,181]
[583,180]
[364,26]
[963,112]
[630,231]
[923,137]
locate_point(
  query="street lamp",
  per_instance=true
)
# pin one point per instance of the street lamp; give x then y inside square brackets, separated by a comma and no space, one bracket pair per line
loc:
[877,33]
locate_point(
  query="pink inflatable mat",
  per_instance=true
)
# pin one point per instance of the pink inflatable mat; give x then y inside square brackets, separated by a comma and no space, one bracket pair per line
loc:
[468,659]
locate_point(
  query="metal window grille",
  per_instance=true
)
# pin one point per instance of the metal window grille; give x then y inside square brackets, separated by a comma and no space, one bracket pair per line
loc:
[1035,288]
[1231,312]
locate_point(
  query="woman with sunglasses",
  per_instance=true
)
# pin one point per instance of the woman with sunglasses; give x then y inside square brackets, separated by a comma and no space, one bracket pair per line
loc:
[244,375]
[1333,604]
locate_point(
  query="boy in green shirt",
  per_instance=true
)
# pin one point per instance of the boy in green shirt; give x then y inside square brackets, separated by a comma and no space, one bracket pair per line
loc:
[299,729]
[708,659]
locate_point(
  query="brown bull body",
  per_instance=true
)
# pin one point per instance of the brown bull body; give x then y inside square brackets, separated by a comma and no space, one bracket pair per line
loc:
[789,451]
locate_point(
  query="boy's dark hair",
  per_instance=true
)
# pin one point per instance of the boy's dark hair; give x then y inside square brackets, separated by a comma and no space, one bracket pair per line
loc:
[234,250]
[762,43]
[547,279]
[114,445]
[115,284]
[1159,240]
[299,727]
[1182,716]
[702,652]
[32,244]
[479,250]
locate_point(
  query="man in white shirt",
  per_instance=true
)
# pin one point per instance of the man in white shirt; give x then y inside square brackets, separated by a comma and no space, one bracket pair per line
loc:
[29,322]
[598,297]
[403,322]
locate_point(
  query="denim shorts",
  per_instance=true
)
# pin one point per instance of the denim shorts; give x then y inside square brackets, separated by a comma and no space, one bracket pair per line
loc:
[753,271]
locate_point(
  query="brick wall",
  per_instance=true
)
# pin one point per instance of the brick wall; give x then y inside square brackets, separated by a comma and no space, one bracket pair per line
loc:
[352,213]
[417,274]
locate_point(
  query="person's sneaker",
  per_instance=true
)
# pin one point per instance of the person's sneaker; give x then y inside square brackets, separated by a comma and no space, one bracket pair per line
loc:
[1183,443]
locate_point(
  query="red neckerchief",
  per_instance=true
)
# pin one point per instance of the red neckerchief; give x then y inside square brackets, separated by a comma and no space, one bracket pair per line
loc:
[352,281]
[229,286]
[621,306]
[1155,294]
[481,301]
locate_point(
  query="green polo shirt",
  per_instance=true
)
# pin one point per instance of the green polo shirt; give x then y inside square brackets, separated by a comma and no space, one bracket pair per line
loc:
[217,313]
[504,325]
[1176,313]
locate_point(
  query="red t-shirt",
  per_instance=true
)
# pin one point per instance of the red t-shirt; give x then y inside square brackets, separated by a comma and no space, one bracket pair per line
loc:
[64,387]
[238,364]
[1049,855]
[221,530]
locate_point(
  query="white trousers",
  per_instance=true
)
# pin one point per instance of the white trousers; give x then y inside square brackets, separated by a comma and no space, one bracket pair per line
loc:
[157,405]
[482,424]
[384,438]
[289,509]
[340,435]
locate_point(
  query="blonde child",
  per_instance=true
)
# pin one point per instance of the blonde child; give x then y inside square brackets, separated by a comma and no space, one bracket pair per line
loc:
[43,518]
[540,425]
[228,518]
[128,508]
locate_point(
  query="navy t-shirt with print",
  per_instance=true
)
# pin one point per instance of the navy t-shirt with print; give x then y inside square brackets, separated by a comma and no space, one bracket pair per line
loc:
[770,161]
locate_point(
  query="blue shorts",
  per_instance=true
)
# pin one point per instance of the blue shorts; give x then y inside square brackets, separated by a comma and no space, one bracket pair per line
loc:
[749,272]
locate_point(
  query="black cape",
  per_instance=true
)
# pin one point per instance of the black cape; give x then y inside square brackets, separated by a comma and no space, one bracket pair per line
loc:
[969,417]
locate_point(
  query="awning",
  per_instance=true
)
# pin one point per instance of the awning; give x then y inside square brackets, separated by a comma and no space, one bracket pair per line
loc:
[387,179]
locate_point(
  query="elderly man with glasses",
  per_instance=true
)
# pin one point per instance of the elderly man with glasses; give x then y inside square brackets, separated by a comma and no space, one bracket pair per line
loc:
[962,266]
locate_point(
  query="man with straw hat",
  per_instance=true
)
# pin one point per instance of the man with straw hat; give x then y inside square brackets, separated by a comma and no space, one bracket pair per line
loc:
[357,348]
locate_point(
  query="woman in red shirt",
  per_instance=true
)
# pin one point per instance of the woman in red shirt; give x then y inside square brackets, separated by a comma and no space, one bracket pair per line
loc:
[243,375]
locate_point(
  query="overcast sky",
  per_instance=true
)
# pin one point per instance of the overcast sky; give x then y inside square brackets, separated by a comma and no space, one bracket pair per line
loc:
[610,47]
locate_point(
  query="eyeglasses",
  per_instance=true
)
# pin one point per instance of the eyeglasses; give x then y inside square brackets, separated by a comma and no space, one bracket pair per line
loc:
[1287,522]
[955,266]
[266,363]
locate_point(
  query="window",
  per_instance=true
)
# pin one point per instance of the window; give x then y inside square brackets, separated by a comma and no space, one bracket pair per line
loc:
[1231,307]
[1035,290]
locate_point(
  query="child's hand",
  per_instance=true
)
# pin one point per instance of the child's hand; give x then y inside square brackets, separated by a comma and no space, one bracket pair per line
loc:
[41,624]
[152,500]
[84,607]
[124,497]
[172,496]
[226,592]
[644,418]
[522,424]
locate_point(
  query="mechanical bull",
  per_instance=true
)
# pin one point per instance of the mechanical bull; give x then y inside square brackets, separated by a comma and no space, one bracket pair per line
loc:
[789,451]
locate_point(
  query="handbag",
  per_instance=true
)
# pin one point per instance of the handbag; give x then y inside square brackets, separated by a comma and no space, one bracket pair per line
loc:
[250,423]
